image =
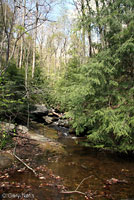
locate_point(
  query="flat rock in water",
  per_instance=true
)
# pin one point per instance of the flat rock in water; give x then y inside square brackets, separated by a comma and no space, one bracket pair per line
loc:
[47,145]
[6,160]
[37,137]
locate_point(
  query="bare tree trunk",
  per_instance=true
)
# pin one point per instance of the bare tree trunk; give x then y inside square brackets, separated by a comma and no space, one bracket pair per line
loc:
[83,41]
[21,52]
[26,69]
[34,55]
[35,37]
[65,51]
[83,30]
[4,16]
[22,38]
[48,65]
[8,31]
[26,81]
[55,64]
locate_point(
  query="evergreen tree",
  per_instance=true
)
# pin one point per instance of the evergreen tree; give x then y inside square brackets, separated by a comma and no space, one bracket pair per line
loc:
[98,96]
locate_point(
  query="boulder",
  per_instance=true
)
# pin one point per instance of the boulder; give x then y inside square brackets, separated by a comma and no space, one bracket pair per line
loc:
[48,119]
[62,122]
[7,127]
[40,109]
[22,129]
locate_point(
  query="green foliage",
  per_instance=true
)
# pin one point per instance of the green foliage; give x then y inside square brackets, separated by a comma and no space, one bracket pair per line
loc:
[39,88]
[12,93]
[9,15]
[15,98]
[98,97]
[5,139]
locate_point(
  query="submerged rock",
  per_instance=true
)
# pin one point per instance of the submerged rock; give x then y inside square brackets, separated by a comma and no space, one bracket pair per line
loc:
[49,146]
[6,160]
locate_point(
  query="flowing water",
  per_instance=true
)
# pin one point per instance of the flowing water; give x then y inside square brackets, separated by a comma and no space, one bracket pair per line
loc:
[80,162]
[99,167]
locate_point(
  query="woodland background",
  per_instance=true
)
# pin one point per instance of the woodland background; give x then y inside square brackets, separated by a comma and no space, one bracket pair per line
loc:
[77,58]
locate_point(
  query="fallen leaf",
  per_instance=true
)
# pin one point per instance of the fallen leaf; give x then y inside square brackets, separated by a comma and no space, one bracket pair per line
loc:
[42,177]
[114,181]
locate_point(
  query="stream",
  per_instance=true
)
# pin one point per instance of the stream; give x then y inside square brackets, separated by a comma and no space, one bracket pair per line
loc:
[79,162]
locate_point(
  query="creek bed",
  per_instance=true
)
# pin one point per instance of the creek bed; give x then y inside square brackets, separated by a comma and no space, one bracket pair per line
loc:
[78,163]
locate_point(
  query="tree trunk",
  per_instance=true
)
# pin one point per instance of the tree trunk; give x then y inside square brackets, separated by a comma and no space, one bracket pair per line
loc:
[21,53]
[90,44]
[83,30]
[35,37]
[22,38]
[26,70]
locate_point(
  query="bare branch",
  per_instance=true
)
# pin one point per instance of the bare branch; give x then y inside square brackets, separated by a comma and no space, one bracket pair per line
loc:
[72,192]
[31,169]
[76,190]
[82,182]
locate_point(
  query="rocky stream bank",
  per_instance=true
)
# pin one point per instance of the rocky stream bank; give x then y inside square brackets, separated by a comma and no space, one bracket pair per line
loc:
[22,157]
[46,143]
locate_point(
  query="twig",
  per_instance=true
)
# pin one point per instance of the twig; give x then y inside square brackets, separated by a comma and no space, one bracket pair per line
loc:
[23,161]
[82,182]
[76,190]
[72,192]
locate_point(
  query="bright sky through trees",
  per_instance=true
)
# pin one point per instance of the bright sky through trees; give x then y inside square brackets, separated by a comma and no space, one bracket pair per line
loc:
[61,8]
